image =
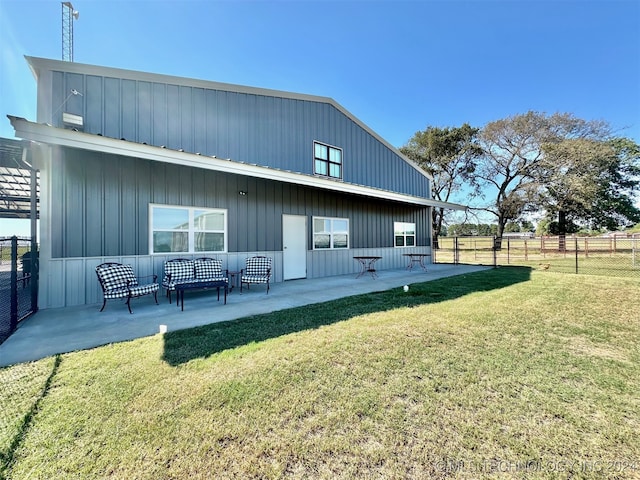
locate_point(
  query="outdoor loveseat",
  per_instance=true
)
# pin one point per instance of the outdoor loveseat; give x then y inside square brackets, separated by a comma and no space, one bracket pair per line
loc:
[201,271]
[118,281]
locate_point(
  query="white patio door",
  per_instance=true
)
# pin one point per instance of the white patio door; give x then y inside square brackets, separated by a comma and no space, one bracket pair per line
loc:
[294,246]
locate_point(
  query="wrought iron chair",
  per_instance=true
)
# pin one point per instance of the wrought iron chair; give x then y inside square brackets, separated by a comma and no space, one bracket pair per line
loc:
[257,270]
[119,281]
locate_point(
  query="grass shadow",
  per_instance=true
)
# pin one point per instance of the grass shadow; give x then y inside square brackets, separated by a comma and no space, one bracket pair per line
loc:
[200,342]
[6,458]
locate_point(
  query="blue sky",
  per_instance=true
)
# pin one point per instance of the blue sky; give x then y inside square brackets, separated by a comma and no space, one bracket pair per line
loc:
[399,66]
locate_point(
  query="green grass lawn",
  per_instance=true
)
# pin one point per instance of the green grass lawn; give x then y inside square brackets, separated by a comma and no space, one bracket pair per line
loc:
[508,373]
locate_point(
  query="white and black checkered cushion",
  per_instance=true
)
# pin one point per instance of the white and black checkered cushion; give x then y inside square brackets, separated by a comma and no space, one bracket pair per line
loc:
[115,280]
[141,290]
[258,270]
[177,272]
[208,269]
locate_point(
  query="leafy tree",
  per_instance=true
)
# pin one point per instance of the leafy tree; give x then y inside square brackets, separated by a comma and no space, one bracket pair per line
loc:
[551,227]
[527,226]
[590,182]
[487,230]
[543,227]
[512,227]
[471,229]
[449,156]
[513,153]
[619,184]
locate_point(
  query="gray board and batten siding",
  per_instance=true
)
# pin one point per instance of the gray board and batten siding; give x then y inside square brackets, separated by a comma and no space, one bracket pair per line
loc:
[251,125]
[103,208]
[102,214]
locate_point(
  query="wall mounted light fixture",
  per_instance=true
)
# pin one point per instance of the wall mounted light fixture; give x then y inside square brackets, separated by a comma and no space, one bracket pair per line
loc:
[242,193]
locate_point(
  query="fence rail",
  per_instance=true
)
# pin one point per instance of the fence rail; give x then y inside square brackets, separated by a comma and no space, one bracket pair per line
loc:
[618,256]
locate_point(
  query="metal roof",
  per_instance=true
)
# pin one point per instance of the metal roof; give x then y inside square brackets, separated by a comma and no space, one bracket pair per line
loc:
[15,179]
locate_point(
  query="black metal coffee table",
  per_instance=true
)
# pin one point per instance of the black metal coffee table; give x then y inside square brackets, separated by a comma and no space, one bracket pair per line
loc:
[416,258]
[181,287]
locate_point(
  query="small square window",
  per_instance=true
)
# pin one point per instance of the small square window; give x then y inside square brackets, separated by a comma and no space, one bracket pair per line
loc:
[404,234]
[330,233]
[327,160]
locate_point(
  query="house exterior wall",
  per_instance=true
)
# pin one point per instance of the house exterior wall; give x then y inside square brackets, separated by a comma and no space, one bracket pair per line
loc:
[100,205]
[263,129]
[99,211]
[95,205]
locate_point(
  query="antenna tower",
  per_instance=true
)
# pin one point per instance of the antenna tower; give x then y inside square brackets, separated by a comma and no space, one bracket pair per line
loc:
[68,15]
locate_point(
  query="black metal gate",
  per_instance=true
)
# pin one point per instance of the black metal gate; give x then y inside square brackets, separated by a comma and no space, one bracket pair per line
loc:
[18,282]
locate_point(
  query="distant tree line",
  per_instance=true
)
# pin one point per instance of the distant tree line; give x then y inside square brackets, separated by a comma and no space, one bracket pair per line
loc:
[574,173]
[543,228]
[485,229]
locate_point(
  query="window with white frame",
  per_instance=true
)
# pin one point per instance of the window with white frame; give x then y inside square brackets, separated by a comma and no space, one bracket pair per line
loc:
[330,233]
[405,234]
[187,229]
[327,160]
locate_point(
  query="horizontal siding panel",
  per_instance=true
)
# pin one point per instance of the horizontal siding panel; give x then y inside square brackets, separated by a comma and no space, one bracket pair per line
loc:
[70,282]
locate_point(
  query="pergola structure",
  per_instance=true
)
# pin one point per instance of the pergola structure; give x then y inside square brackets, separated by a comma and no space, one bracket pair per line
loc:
[19,184]
[19,193]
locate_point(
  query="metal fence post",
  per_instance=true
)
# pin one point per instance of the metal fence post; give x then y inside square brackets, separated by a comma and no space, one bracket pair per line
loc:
[456,252]
[34,275]
[13,314]
[576,240]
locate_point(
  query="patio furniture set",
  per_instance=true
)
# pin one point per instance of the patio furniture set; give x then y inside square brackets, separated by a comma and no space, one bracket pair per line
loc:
[119,280]
[367,264]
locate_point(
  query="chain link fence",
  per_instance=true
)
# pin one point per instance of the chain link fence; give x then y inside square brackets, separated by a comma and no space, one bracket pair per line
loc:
[18,283]
[612,256]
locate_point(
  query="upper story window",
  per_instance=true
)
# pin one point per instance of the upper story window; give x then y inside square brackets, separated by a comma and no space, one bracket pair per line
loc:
[187,229]
[327,160]
[330,233]
[404,234]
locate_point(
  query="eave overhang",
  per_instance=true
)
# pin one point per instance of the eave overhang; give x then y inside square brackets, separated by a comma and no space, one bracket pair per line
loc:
[47,134]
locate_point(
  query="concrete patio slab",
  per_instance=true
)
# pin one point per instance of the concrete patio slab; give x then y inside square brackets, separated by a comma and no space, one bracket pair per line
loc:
[62,330]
